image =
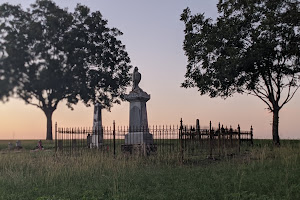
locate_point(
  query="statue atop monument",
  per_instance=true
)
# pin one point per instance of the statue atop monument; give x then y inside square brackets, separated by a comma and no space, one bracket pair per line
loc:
[137,92]
[136,78]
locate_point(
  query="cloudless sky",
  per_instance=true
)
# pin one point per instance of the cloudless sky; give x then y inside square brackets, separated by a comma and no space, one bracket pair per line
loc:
[153,35]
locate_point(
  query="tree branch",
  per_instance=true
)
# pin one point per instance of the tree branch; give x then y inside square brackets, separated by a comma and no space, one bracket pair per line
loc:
[289,97]
[263,97]
[270,89]
[34,104]
[260,87]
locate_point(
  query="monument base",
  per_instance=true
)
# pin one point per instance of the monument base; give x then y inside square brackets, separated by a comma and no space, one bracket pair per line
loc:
[139,149]
[96,141]
[138,138]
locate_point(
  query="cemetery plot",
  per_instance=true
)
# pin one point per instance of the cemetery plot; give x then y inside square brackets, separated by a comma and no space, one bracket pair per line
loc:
[181,142]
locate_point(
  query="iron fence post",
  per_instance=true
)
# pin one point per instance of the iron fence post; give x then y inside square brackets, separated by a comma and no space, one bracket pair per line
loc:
[210,139]
[181,142]
[55,137]
[251,132]
[239,136]
[114,137]
[198,129]
[230,136]
[219,139]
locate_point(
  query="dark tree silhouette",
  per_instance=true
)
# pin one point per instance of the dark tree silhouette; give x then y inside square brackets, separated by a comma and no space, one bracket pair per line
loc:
[49,54]
[252,47]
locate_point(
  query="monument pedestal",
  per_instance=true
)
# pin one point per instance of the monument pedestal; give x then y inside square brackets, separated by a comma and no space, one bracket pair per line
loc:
[138,138]
[139,149]
[96,141]
[138,121]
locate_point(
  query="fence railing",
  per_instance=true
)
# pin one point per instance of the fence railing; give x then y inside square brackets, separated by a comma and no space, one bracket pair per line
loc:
[182,141]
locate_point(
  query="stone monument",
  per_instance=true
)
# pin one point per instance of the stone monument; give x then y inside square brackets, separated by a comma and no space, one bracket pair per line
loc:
[97,135]
[138,121]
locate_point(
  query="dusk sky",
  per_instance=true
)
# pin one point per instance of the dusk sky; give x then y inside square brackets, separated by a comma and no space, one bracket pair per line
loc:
[153,35]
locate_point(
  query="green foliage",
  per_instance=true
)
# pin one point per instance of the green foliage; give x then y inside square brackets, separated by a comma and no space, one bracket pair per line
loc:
[252,47]
[59,55]
[48,54]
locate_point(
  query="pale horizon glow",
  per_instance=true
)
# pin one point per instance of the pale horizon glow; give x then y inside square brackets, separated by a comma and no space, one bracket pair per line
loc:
[153,35]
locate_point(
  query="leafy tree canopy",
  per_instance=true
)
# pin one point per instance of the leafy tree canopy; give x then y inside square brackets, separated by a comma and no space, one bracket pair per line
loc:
[48,54]
[252,47]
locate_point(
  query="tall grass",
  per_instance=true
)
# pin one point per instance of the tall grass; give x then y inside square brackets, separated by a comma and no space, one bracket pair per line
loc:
[262,172]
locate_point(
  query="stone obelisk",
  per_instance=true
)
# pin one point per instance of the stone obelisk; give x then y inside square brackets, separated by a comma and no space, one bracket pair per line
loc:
[97,135]
[138,121]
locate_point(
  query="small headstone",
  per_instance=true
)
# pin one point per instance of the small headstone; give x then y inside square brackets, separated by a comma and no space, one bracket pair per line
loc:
[18,145]
[10,146]
[39,145]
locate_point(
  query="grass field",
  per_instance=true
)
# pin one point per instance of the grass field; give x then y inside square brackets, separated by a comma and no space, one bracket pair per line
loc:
[263,172]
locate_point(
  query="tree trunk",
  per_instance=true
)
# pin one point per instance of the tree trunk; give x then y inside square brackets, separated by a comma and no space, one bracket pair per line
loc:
[48,114]
[275,127]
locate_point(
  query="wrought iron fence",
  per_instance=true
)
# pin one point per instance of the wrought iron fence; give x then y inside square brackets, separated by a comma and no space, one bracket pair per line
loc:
[181,141]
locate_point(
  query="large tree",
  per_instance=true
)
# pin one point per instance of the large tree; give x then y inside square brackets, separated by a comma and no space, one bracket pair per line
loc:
[48,54]
[252,47]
